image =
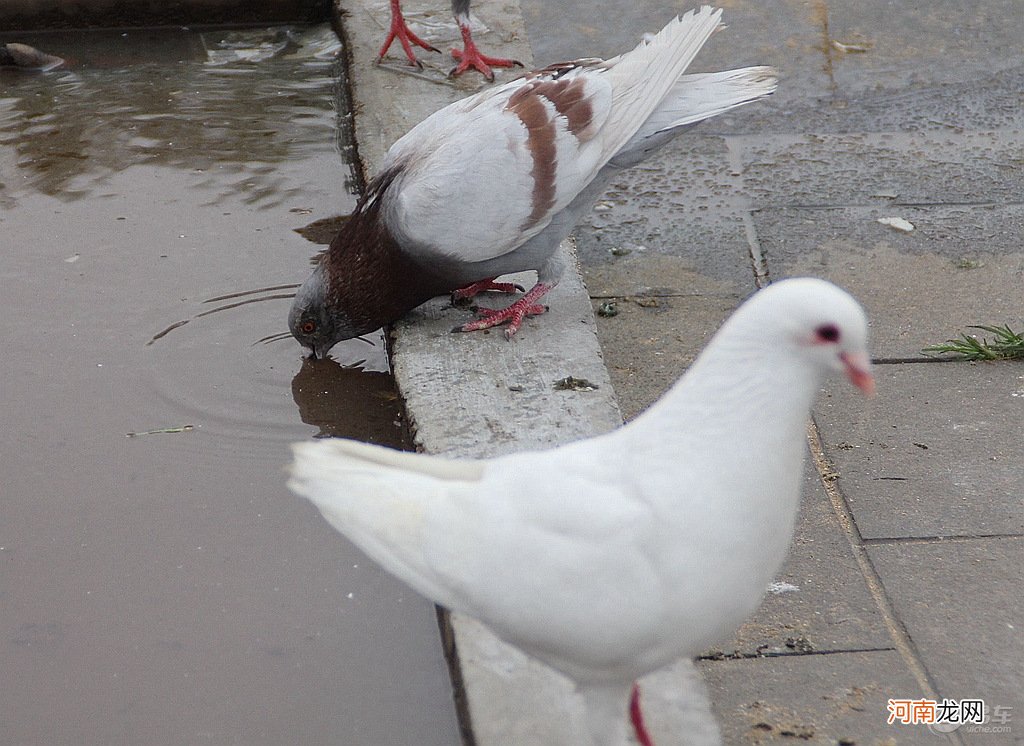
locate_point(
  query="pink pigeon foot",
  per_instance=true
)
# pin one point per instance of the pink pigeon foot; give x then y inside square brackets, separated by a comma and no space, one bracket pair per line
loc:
[399,30]
[513,315]
[636,717]
[469,56]
[471,291]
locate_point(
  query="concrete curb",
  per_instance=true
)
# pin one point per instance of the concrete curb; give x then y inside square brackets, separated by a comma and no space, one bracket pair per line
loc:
[478,395]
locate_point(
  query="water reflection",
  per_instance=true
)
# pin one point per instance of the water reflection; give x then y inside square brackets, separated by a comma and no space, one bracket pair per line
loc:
[219,101]
[348,402]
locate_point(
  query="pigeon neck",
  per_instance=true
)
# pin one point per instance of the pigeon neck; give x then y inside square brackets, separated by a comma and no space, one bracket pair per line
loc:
[370,281]
[740,402]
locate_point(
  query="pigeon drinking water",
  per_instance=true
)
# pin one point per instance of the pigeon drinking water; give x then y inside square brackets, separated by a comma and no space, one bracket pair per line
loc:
[611,557]
[491,184]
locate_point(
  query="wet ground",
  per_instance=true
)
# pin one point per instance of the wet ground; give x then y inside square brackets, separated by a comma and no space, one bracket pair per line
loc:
[158,584]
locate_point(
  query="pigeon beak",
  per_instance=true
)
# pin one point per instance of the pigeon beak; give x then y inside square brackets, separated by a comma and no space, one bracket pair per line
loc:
[858,369]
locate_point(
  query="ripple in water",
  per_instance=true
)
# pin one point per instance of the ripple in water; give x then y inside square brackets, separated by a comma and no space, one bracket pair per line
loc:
[199,165]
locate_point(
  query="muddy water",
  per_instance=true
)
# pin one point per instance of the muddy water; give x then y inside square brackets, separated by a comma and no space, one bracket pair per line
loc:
[158,584]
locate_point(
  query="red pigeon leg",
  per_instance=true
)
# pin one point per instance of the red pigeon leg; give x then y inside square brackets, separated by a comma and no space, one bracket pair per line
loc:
[636,717]
[469,56]
[476,288]
[404,34]
[513,315]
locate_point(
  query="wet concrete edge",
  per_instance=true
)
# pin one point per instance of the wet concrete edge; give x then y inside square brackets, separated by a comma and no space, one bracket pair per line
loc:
[478,395]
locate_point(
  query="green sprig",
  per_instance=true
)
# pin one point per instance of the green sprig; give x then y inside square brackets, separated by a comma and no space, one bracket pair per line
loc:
[1005,344]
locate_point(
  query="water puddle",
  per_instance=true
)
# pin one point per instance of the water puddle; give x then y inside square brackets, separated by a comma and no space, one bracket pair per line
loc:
[159,584]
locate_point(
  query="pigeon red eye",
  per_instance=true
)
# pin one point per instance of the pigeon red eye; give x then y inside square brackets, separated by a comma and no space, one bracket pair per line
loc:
[827,333]
[308,327]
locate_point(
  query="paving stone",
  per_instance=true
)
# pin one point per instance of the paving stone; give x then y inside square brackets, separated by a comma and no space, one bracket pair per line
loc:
[915,44]
[688,202]
[962,606]
[936,453]
[822,699]
[812,169]
[786,35]
[960,266]
[820,600]
[664,314]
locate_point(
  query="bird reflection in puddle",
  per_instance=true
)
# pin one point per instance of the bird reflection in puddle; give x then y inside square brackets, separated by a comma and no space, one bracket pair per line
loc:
[349,402]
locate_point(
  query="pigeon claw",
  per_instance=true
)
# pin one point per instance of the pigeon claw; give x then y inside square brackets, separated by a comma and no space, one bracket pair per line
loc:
[513,316]
[479,62]
[401,31]
[471,291]
[471,57]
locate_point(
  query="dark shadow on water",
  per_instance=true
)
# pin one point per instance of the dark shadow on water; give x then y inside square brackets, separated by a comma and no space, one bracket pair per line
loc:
[348,402]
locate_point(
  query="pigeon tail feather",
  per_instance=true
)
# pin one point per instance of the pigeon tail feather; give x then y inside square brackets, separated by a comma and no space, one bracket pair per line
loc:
[704,95]
[643,77]
[388,503]
[693,99]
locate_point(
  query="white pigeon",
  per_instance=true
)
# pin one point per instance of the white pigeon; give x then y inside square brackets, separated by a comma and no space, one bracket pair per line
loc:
[611,557]
[491,184]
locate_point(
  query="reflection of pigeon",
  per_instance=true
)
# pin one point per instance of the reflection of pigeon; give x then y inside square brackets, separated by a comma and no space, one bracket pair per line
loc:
[611,557]
[22,55]
[348,402]
[468,57]
[492,183]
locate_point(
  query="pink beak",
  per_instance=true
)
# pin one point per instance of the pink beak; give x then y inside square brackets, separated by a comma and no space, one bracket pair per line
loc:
[858,370]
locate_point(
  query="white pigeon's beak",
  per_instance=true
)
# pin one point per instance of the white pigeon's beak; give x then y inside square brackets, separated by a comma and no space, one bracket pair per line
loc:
[858,369]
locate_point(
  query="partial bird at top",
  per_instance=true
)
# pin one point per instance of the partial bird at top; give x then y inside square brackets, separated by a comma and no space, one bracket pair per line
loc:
[491,184]
[612,557]
[468,57]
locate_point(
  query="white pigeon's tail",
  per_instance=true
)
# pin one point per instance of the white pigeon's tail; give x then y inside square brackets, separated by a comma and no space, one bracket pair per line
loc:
[693,99]
[388,503]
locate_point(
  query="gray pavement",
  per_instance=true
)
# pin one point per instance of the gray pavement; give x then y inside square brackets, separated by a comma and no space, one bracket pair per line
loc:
[904,579]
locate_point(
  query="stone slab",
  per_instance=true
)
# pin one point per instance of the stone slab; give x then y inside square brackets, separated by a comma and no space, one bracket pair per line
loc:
[913,44]
[479,395]
[687,202]
[962,606]
[962,168]
[819,602]
[784,34]
[936,453]
[820,699]
[960,266]
[664,312]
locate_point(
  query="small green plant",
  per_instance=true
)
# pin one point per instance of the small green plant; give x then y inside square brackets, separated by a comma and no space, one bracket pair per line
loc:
[1005,344]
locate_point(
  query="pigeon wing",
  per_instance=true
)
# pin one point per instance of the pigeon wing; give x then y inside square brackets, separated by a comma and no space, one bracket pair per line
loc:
[484,175]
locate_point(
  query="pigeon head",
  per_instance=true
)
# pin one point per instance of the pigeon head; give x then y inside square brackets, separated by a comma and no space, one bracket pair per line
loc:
[817,323]
[316,323]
